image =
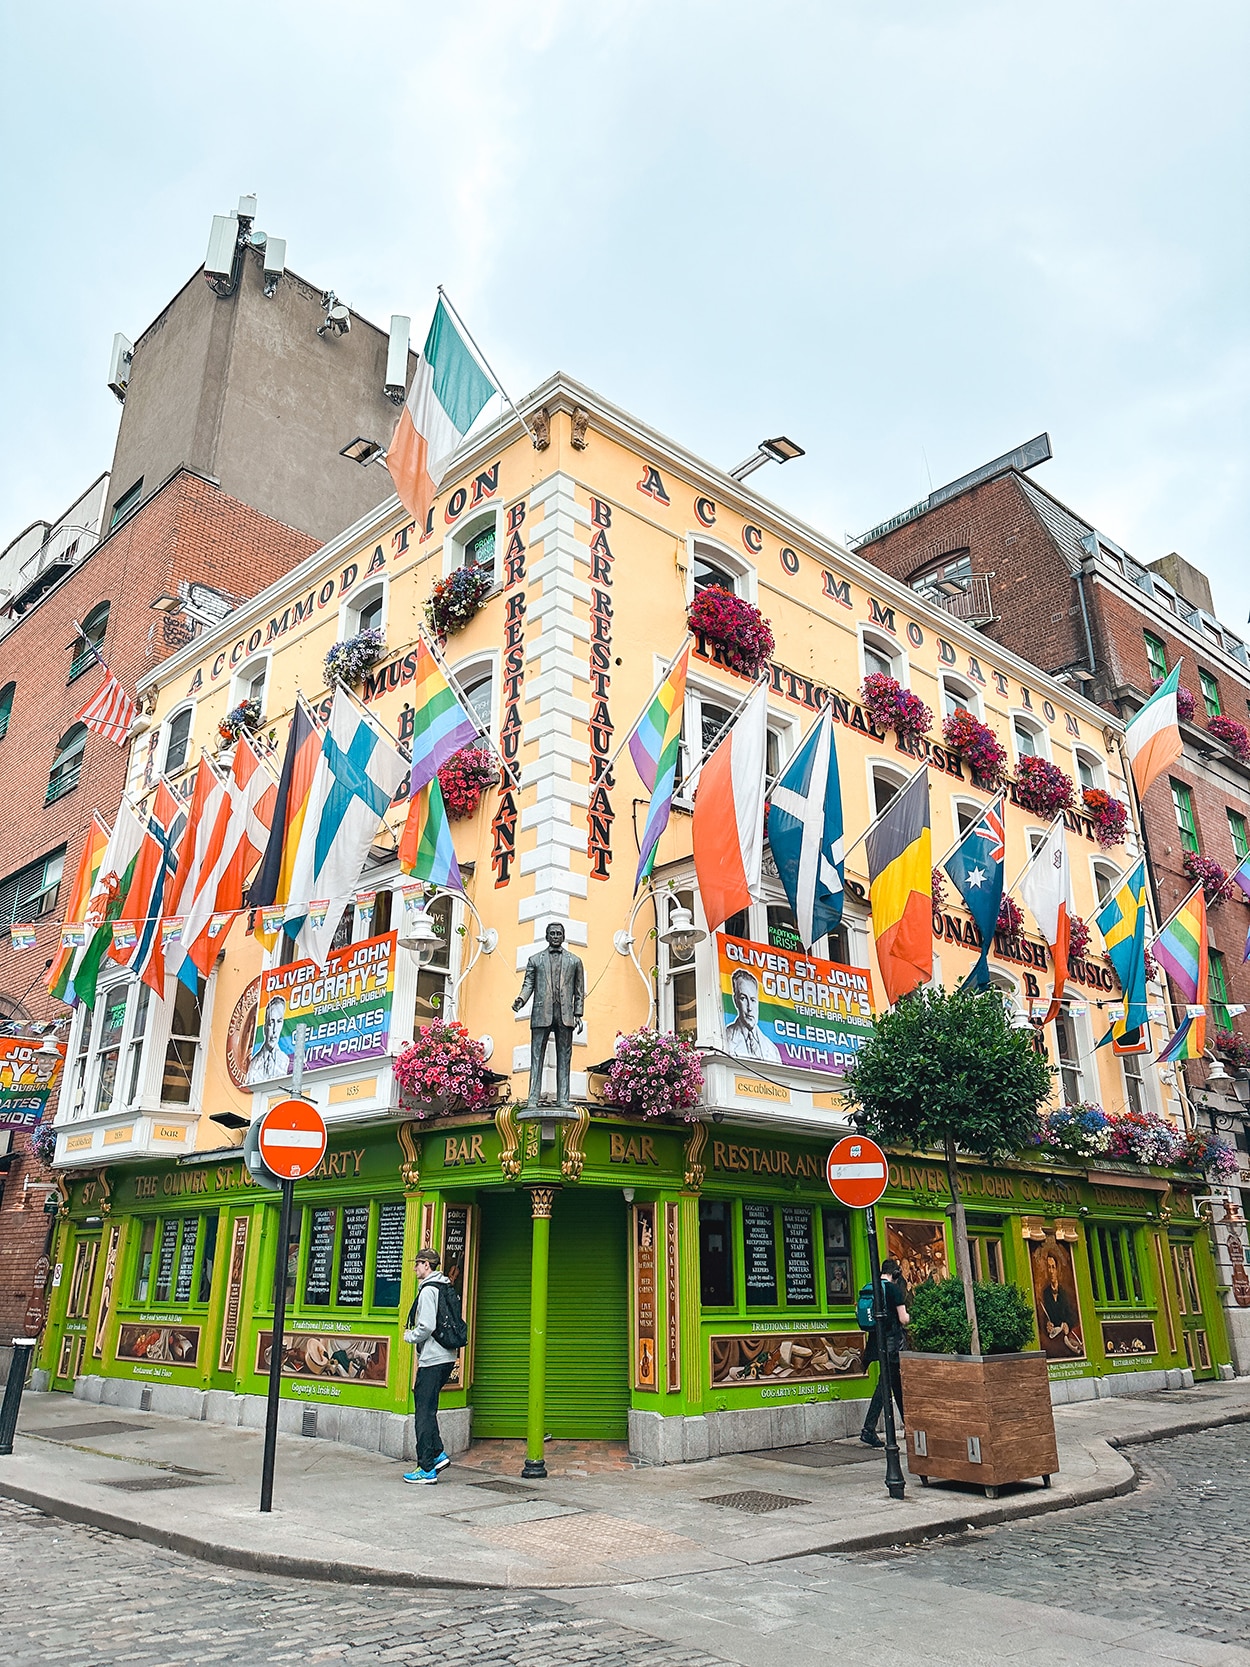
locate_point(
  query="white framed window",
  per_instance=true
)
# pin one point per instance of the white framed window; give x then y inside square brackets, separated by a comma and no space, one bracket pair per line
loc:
[1106,879]
[712,563]
[884,781]
[1028,737]
[1137,1096]
[475,543]
[477,680]
[364,609]
[1067,1056]
[134,1052]
[709,715]
[250,682]
[177,748]
[964,812]
[957,693]
[879,653]
[1090,770]
[1010,989]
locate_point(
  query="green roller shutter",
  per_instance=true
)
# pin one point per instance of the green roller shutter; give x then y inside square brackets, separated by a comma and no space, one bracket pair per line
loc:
[588,1346]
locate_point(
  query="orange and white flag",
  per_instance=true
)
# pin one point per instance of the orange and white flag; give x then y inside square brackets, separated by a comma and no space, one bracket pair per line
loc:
[729,815]
[1153,736]
[449,389]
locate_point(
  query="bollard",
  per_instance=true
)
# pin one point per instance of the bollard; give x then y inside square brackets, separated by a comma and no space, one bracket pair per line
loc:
[19,1371]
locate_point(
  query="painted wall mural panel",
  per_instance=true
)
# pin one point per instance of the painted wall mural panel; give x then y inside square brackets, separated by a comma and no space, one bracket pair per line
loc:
[787,1357]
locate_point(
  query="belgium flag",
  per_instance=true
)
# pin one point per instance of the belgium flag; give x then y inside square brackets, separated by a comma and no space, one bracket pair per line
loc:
[900,888]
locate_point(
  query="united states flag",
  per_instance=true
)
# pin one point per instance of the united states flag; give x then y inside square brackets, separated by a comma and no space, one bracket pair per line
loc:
[110,711]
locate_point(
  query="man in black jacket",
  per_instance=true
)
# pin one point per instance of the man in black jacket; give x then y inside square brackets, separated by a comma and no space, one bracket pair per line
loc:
[894,1291]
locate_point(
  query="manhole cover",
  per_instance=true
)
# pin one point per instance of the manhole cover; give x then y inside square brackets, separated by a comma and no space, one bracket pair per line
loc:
[89,1432]
[148,1484]
[515,1490]
[755,1501]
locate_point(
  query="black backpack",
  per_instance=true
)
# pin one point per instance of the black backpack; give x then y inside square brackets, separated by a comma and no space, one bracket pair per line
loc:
[450,1330]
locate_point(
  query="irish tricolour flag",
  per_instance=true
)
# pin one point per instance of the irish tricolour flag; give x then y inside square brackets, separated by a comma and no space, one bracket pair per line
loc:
[448,392]
[1153,737]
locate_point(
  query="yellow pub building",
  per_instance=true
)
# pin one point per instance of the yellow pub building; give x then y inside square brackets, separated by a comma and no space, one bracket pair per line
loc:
[698,1278]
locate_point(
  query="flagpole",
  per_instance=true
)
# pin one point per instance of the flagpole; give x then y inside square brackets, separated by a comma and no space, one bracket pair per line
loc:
[483,732]
[486,364]
[1160,930]
[688,782]
[646,706]
[859,840]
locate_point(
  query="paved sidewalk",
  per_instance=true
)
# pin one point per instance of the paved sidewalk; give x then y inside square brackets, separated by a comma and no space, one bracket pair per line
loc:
[341,1514]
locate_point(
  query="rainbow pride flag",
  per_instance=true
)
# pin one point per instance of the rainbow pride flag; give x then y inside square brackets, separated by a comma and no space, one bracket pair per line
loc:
[647,743]
[440,724]
[425,848]
[1181,948]
[1188,1042]
[670,700]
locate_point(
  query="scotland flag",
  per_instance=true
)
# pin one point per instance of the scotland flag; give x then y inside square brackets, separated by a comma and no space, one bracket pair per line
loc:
[977,872]
[805,833]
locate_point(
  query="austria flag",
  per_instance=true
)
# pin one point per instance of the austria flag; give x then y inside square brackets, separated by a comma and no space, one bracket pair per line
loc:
[729,815]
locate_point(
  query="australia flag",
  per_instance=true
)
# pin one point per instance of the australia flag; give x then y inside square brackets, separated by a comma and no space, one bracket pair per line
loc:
[977,872]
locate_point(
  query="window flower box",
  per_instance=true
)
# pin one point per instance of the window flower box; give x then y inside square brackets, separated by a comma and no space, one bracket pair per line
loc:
[349,660]
[891,706]
[455,599]
[1042,787]
[654,1074]
[1185,703]
[441,1071]
[1211,1156]
[242,719]
[1078,938]
[464,778]
[1235,736]
[740,630]
[1234,1050]
[1010,920]
[1108,815]
[1213,878]
[978,746]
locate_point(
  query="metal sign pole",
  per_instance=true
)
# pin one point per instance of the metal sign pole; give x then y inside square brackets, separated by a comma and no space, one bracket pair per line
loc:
[895,1485]
[279,1304]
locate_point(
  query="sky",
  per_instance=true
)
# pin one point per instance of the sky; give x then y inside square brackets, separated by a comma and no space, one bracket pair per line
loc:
[909,235]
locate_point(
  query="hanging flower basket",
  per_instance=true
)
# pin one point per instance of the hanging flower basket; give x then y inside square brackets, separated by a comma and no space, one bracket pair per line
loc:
[43,1144]
[1108,815]
[1184,700]
[1235,736]
[977,744]
[1010,920]
[740,630]
[240,719]
[1215,1158]
[1212,877]
[1042,787]
[443,1070]
[655,1074]
[891,706]
[348,661]
[464,778]
[455,599]
[1234,1050]
[1078,938]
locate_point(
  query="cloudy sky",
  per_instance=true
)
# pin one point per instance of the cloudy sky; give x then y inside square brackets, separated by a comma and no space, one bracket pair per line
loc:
[910,235]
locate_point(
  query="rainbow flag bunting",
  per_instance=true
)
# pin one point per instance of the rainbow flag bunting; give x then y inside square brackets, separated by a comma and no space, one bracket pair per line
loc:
[58,977]
[670,701]
[1188,1042]
[171,929]
[646,743]
[425,847]
[125,933]
[21,937]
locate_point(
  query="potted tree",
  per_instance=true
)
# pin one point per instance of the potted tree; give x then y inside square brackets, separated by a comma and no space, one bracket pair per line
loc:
[948,1073]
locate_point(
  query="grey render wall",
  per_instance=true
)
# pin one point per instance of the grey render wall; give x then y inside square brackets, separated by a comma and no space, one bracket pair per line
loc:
[244,390]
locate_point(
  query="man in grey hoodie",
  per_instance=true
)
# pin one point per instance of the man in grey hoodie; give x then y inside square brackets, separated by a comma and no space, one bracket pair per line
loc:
[434,1364]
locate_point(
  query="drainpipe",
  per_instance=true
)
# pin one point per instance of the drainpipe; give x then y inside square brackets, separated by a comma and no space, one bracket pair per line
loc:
[1089,640]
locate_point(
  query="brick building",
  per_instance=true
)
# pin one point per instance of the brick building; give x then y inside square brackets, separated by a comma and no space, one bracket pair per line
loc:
[1001,553]
[236,403]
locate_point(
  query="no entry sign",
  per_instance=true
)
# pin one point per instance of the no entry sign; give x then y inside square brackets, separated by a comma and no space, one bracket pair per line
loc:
[292,1139]
[857,1172]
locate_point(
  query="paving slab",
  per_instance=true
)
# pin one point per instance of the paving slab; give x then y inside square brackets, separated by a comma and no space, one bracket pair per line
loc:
[343,1514]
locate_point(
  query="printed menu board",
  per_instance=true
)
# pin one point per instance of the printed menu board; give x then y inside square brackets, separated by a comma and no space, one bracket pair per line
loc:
[320,1256]
[165,1258]
[455,1243]
[759,1251]
[388,1258]
[351,1288]
[796,1234]
[186,1258]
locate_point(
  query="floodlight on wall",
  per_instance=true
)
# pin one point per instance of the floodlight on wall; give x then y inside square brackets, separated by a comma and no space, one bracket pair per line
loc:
[777,450]
[166,604]
[363,451]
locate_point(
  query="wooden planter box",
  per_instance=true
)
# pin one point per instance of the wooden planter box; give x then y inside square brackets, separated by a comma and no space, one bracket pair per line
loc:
[985,1419]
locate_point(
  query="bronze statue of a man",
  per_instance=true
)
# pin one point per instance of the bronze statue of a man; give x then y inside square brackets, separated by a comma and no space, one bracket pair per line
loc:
[557,981]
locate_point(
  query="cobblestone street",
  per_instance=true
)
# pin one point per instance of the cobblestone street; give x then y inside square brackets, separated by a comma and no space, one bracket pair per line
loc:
[1155,1577]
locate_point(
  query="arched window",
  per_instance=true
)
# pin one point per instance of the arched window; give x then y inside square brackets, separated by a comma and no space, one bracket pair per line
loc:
[478,696]
[366,611]
[67,764]
[708,572]
[881,655]
[474,544]
[1029,738]
[1089,769]
[712,564]
[178,741]
[87,647]
[956,693]
[885,784]
[6,707]
[1106,878]
[249,683]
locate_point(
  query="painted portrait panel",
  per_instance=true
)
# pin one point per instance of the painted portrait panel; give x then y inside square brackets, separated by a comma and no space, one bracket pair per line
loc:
[919,1248]
[1055,1296]
[178,1345]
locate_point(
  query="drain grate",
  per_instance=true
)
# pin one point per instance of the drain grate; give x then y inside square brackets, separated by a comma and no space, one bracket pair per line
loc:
[148,1484]
[514,1490]
[89,1432]
[754,1501]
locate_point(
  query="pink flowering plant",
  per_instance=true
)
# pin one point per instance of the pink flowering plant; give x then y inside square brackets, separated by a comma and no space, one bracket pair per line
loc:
[939,888]
[1042,787]
[1234,1050]
[1010,918]
[1184,700]
[1145,1137]
[464,778]
[1078,938]
[455,599]
[743,634]
[1108,815]
[977,744]
[442,1070]
[656,1074]
[1235,736]
[1214,1157]
[1209,874]
[891,706]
